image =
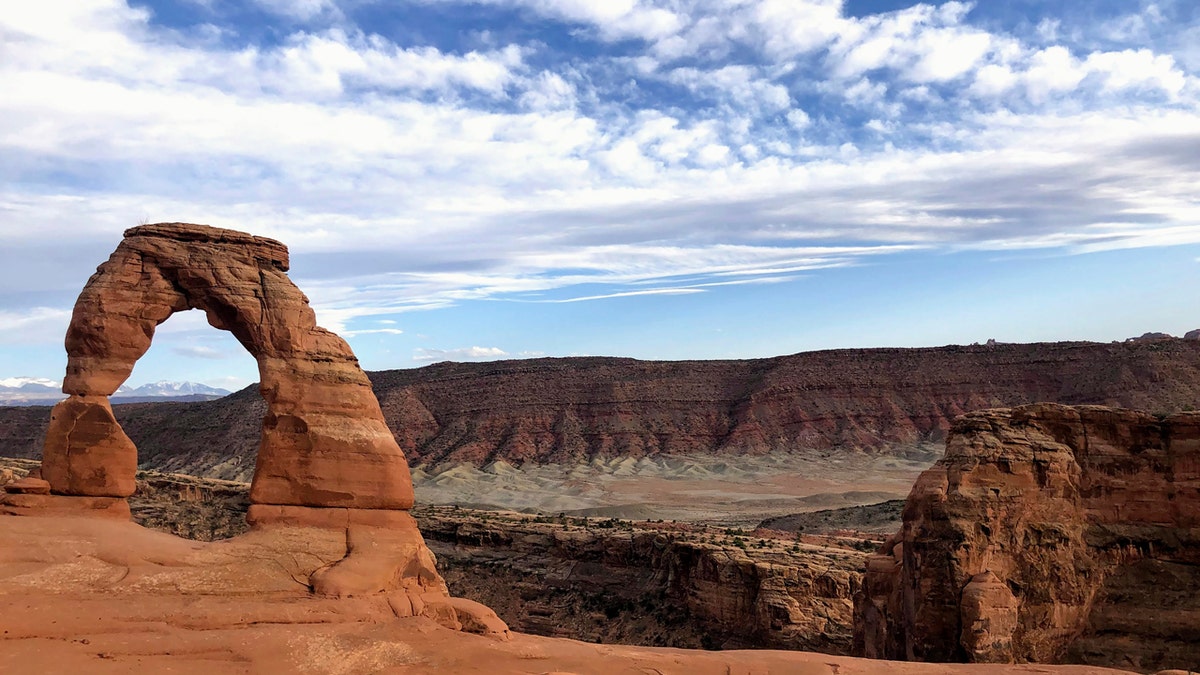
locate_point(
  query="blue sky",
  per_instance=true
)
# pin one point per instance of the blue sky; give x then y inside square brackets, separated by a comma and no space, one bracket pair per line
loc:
[477,179]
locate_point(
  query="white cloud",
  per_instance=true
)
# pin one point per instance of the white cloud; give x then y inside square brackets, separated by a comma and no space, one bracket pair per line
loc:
[37,325]
[461,354]
[331,62]
[629,294]
[371,331]
[615,19]
[742,86]
[1051,71]
[199,352]
[1131,68]
[478,174]
[302,10]
[921,43]
[791,27]
[549,91]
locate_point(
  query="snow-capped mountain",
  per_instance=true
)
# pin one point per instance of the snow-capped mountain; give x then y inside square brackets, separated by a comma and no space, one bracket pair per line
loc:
[44,391]
[29,384]
[172,389]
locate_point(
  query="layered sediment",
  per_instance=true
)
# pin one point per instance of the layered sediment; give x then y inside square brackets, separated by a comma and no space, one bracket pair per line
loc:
[578,409]
[1046,534]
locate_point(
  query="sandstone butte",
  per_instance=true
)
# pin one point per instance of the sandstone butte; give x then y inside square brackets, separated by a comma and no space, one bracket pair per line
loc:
[1046,533]
[334,576]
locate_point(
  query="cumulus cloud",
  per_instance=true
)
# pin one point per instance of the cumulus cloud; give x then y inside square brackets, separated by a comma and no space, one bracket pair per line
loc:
[303,10]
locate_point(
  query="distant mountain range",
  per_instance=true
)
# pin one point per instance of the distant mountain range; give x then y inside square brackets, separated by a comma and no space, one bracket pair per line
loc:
[573,410]
[23,391]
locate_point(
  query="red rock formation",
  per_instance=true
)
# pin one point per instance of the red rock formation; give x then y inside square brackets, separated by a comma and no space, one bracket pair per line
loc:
[324,441]
[106,598]
[1021,543]
[556,410]
[327,468]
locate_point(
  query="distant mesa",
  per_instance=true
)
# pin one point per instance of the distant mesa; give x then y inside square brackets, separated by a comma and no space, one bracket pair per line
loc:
[1151,337]
[887,401]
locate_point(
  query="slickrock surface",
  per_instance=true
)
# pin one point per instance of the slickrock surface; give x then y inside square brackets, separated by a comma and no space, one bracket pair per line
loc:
[92,596]
[576,409]
[1047,533]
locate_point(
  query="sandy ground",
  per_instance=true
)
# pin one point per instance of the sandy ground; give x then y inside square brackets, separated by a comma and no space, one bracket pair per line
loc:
[736,491]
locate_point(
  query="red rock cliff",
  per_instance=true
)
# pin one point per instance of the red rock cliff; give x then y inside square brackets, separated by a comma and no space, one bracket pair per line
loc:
[553,410]
[1047,533]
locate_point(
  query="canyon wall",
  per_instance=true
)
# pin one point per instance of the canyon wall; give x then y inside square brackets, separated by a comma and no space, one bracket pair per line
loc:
[573,409]
[620,581]
[1046,534]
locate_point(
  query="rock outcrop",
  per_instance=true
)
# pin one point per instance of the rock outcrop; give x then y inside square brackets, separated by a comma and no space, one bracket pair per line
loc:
[328,467]
[1046,534]
[108,598]
[324,442]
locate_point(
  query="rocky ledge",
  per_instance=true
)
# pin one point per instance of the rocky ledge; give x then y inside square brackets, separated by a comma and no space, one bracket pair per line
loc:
[1046,534]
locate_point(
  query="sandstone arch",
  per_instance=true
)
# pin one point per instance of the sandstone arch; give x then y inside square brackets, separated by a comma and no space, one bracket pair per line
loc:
[324,440]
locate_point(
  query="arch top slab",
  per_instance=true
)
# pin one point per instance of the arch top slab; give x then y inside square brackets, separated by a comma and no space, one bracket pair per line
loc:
[324,441]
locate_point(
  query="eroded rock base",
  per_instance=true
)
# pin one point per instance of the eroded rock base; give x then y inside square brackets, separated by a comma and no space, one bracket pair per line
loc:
[48,505]
[89,595]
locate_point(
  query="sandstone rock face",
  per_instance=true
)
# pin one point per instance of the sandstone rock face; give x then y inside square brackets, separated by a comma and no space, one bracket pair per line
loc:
[566,410]
[1047,533]
[87,452]
[107,598]
[989,619]
[324,442]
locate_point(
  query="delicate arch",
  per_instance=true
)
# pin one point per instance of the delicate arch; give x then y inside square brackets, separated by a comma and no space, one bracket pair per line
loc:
[324,440]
